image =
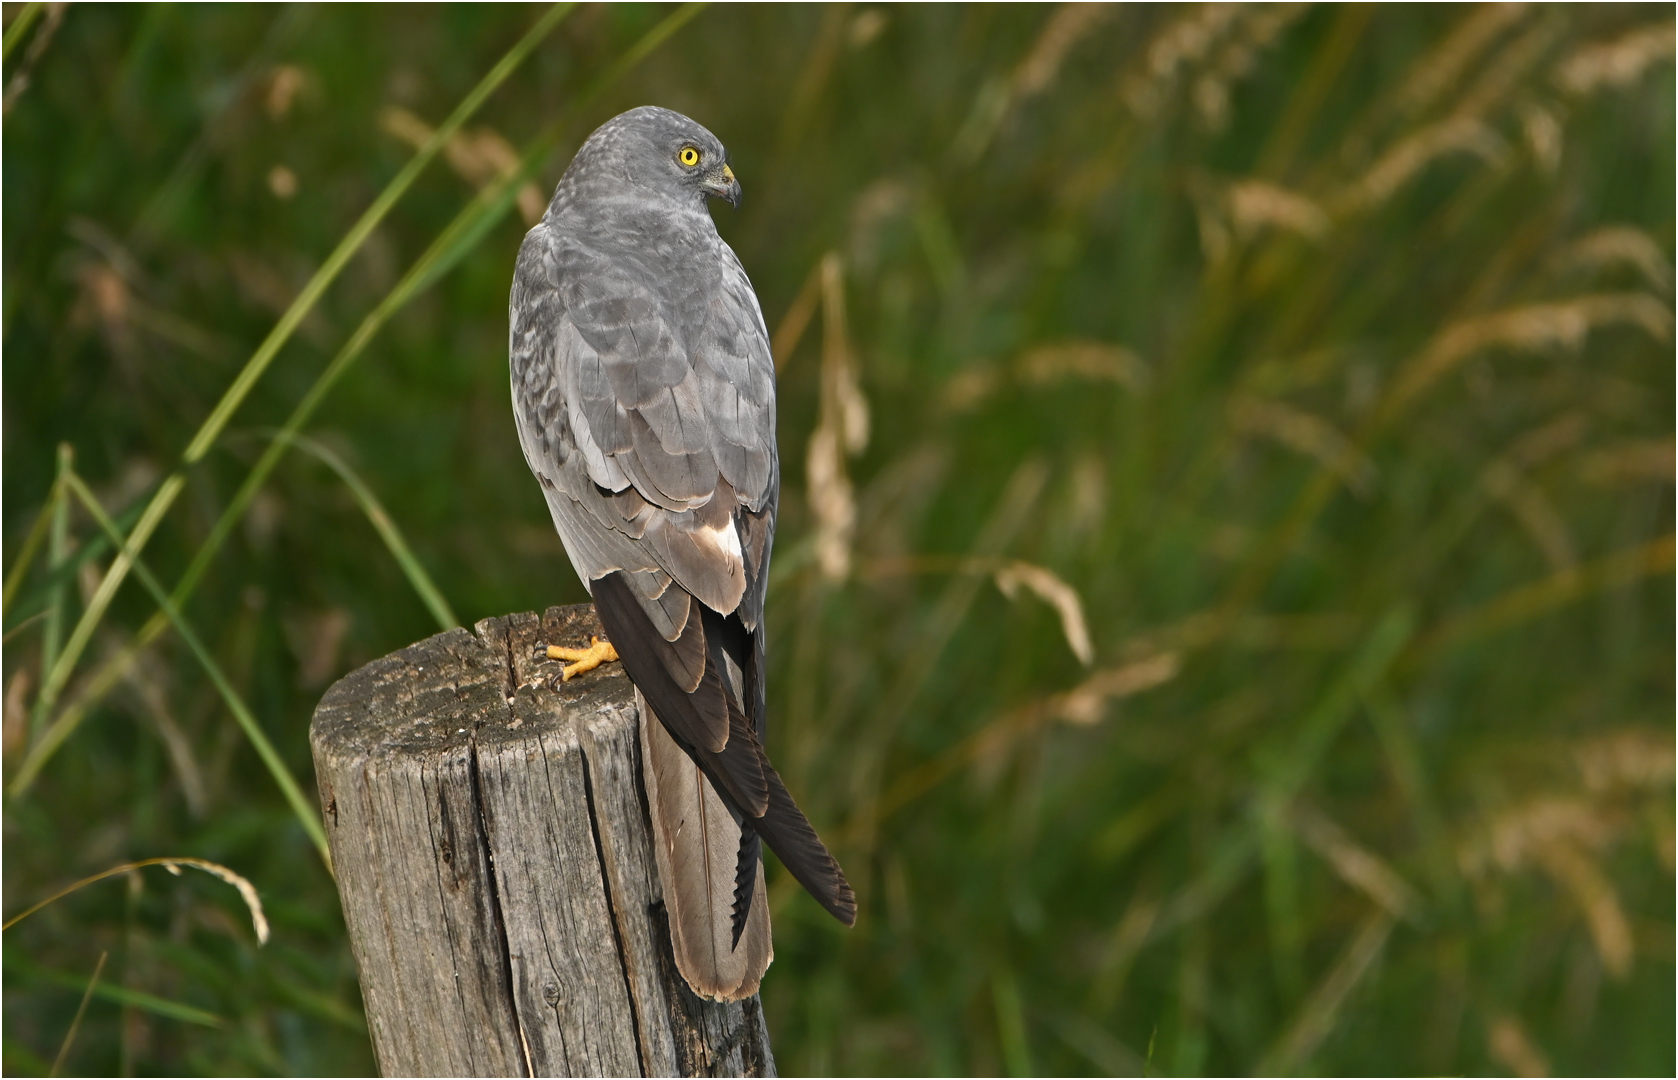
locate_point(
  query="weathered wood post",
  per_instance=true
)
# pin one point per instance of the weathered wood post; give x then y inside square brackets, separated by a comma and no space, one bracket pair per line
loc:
[494,858]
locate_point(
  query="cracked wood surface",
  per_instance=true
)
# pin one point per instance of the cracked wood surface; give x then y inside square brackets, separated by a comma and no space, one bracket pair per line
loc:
[495,863]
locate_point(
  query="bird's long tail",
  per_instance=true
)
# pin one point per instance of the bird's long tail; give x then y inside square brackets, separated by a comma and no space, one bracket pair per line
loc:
[698,843]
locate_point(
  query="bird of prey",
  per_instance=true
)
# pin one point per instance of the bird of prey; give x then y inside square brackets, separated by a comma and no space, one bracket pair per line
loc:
[644,393]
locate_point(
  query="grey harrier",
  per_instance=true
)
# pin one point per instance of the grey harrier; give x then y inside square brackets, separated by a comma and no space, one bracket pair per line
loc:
[644,393]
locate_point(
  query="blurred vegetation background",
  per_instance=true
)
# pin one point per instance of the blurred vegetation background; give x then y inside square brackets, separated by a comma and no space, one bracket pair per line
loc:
[1244,639]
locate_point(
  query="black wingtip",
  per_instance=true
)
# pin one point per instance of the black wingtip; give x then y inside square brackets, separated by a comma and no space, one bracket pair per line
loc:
[789,835]
[845,907]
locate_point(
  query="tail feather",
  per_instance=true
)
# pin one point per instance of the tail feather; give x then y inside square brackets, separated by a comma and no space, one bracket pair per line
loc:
[699,847]
[747,866]
[714,797]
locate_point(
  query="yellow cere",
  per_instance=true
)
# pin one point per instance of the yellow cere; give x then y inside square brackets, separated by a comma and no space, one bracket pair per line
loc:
[689,156]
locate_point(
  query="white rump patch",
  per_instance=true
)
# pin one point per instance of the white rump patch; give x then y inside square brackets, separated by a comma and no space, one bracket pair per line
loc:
[725,539]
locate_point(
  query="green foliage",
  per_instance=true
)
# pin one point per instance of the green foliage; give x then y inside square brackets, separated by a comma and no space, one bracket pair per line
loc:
[1309,370]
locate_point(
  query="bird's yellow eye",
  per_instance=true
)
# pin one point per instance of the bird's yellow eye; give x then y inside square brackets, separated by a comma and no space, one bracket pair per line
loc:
[689,156]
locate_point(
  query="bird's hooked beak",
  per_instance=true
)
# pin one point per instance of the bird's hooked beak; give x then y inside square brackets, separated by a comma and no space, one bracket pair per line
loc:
[722,184]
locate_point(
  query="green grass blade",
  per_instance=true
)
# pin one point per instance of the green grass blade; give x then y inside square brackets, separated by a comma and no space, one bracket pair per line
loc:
[58,550]
[20,26]
[388,532]
[307,814]
[54,680]
[1010,1023]
[158,1006]
[1287,769]
[119,995]
[35,603]
[363,228]
[31,544]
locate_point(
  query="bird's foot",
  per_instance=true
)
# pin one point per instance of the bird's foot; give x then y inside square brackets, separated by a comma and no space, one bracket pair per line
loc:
[598,652]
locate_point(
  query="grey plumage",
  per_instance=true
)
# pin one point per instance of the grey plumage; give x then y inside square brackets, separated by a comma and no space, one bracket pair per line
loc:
[644,395]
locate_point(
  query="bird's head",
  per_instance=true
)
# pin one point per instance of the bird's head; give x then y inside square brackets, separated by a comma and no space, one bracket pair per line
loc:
[663,152]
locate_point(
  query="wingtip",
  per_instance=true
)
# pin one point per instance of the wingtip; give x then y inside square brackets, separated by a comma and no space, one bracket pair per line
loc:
[844,906]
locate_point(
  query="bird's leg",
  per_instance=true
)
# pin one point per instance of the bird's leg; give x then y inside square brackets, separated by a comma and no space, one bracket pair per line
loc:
[598,652]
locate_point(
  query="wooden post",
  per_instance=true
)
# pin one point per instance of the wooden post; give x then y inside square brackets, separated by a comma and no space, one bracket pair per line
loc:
[495,862]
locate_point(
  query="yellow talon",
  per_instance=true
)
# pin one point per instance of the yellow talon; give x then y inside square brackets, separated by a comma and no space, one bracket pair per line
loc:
[598,652]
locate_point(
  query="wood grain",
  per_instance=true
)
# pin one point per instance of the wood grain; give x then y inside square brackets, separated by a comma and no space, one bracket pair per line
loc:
[494,858]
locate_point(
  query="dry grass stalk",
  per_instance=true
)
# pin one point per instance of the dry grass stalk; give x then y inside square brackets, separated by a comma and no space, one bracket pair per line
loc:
[1261,25]
[1085,703]
[1440,69]
[1515,838]
[1244,208]
[841,431]
[866,27]
[841,391]
[1058,594]
[284,84]
[1465,130]
[480,156]
[1010,575]
[1456,135]
[1597,898]
[1620,245]
[14,730]
[1559,835]
[145,679]
[1129,935]
[173,864]
[19,81]
[1631,462]
[1616,63]
[832,502]
[1546,441]
[1534,510]
[81,1011]
[1508,69]
[1528,601]
[1562,324]
[1065,28]
[1544,136]
[1256,204]
[1045,365]
[247,891]
[1093,360]
[797,319]
[1357,866]
[1508,1044]
[1309,435]
[1185,42]
[988,747]
[1635,759]
[1316,1019]
[969,388]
